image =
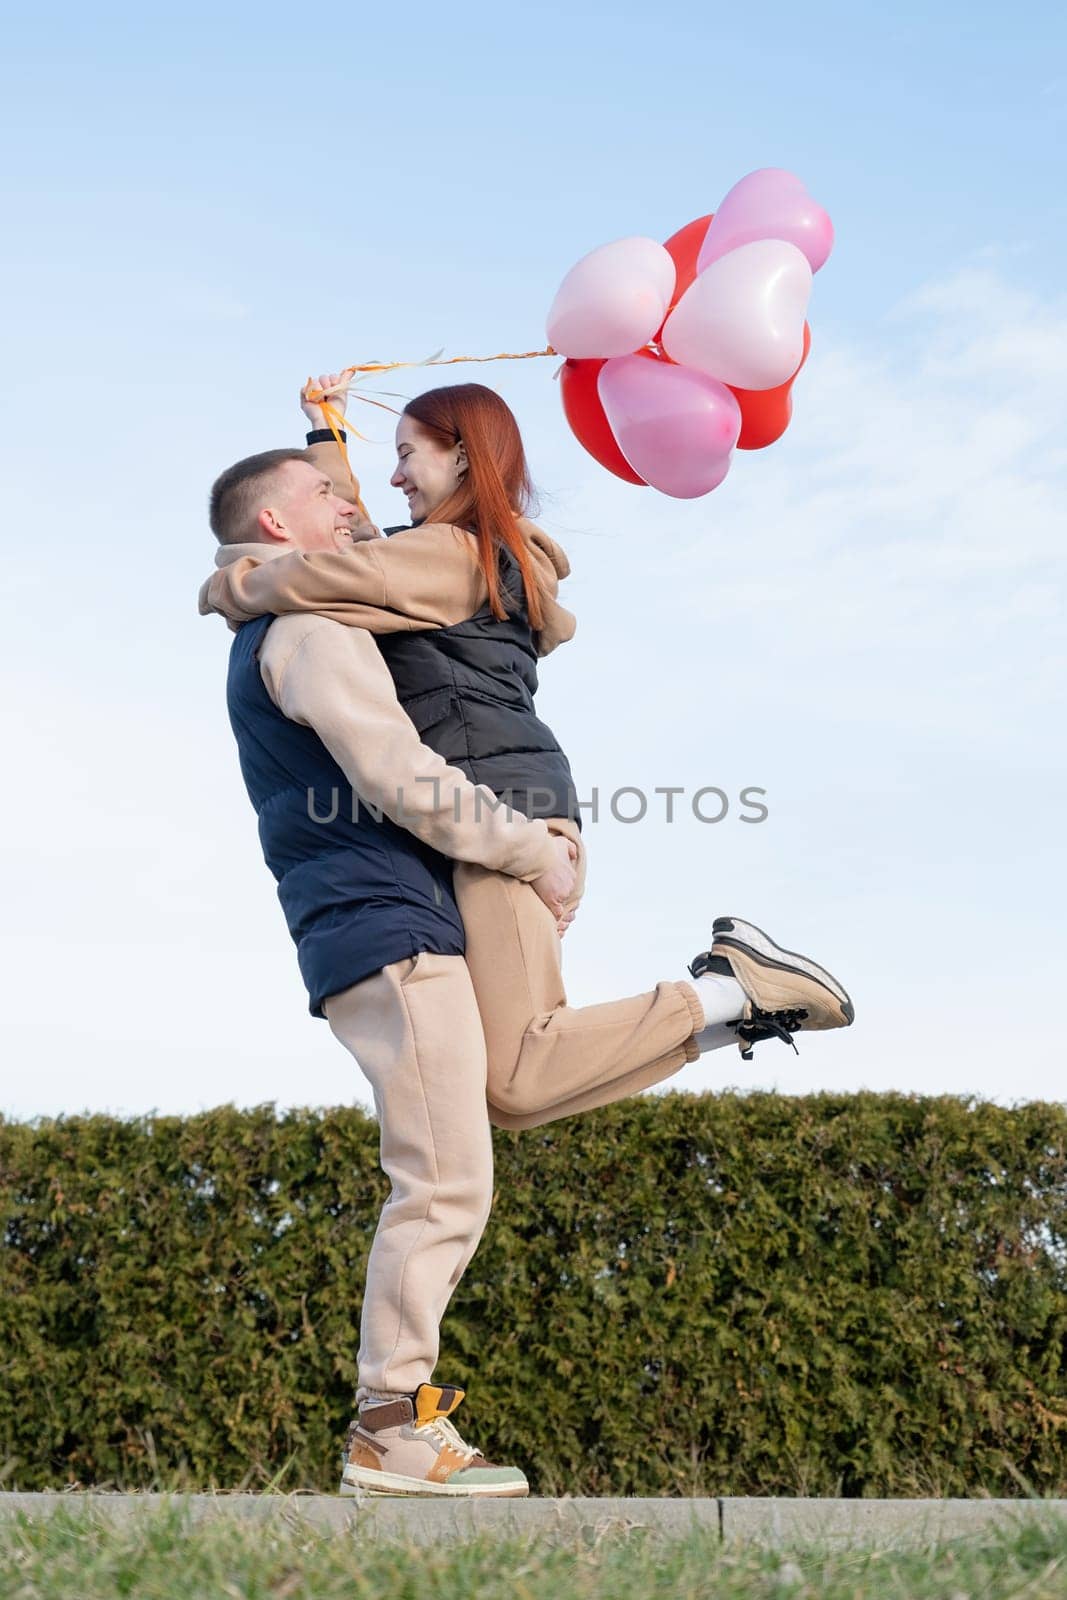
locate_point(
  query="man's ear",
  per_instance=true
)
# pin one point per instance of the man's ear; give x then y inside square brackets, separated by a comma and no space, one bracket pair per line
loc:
[269,525]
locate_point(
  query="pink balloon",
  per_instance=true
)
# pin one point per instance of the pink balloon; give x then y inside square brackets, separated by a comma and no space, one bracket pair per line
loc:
[676,428]
[769,204]
[613,300]
[742,319]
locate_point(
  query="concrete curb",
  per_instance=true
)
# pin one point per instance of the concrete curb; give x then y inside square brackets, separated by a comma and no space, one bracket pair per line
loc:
[894,1523]
[891,1522]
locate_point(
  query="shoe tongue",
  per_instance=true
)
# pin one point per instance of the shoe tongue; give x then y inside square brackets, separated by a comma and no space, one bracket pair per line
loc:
[434,1400]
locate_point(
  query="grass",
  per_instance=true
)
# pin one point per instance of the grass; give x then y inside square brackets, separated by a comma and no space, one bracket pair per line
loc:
[162,1556]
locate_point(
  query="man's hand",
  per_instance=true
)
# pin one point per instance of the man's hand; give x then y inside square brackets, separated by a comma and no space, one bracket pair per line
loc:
[556,886]
[324,383]
[565,921]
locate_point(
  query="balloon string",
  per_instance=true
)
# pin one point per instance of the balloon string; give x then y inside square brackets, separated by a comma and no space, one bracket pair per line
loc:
[336,419]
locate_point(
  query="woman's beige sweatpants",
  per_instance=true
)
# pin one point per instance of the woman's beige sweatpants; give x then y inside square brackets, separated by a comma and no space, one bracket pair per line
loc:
[451,1044]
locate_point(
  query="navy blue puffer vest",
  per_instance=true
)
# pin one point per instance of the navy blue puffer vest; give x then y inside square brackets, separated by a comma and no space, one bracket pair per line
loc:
[469,689]
[357,895]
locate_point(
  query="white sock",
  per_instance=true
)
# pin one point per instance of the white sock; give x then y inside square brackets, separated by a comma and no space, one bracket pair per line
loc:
[373,1394]
[723,999]
[714,1037]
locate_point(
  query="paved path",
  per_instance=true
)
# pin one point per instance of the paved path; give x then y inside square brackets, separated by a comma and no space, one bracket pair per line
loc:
[748,1521]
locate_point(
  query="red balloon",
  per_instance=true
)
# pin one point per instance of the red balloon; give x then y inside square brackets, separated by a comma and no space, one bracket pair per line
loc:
[684,248]
[766,413]
[582,408]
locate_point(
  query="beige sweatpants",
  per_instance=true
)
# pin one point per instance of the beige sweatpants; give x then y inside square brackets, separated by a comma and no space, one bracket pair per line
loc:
[450,1044]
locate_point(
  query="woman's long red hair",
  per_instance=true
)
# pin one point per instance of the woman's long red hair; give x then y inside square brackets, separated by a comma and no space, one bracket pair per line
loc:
[497,485]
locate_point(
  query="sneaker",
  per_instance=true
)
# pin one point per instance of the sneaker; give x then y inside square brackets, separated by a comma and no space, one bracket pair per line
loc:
[784,992]
[408,1446]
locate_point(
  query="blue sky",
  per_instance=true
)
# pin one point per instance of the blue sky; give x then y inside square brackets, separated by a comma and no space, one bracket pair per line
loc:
[204,205]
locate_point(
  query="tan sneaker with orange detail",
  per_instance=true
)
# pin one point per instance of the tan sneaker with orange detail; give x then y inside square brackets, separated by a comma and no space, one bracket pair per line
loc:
[408,1446]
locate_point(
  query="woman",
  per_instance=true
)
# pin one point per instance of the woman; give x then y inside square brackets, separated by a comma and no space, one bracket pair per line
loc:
[463,604]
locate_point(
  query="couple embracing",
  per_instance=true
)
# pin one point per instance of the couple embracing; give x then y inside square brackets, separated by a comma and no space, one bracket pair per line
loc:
[424,830]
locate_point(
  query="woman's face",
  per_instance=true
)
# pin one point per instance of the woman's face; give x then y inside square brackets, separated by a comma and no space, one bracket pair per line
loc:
[426,471]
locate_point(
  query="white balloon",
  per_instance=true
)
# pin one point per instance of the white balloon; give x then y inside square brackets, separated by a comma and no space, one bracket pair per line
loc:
[742,319]
[613,300]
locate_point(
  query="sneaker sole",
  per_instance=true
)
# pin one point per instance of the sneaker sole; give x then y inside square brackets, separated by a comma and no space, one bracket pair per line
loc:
[748,940]
[364,1480]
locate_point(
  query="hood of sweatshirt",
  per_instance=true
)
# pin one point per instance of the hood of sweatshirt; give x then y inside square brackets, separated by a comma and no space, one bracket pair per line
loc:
[551,565]
[225,556]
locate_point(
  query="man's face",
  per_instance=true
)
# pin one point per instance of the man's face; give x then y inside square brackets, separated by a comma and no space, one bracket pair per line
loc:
[426,471]
[305,512]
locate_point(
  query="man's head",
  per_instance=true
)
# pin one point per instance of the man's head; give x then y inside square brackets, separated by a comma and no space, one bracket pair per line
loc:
[278,497]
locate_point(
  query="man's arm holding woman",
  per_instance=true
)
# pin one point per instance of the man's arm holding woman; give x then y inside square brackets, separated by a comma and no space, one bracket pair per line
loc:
[334,681]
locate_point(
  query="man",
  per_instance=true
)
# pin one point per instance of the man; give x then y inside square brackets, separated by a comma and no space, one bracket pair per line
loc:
[317,723]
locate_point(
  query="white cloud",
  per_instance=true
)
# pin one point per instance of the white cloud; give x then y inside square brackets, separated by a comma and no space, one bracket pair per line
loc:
[916,506]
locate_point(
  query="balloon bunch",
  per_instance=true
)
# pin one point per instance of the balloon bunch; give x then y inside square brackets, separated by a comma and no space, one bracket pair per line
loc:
[677,353]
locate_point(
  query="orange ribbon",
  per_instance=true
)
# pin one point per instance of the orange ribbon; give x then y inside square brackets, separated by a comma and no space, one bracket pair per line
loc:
[336,419]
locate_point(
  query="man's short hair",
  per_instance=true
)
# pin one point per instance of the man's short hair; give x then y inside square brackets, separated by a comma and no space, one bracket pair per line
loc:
[239,494]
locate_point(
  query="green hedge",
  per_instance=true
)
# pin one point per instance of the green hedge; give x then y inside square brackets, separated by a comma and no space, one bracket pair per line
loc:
[684,1294]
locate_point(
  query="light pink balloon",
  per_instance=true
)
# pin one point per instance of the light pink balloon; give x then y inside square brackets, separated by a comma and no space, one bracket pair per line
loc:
[742,319]
[613,300]
[675,427]
[769,204]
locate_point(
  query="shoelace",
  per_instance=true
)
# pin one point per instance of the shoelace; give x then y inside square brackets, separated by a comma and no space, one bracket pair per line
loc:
[762,1024]
[450,1434]
[768,1025]
[441,1426]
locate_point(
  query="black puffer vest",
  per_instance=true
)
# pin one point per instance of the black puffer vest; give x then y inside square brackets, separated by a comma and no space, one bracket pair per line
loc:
[469,690]
[357,893]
